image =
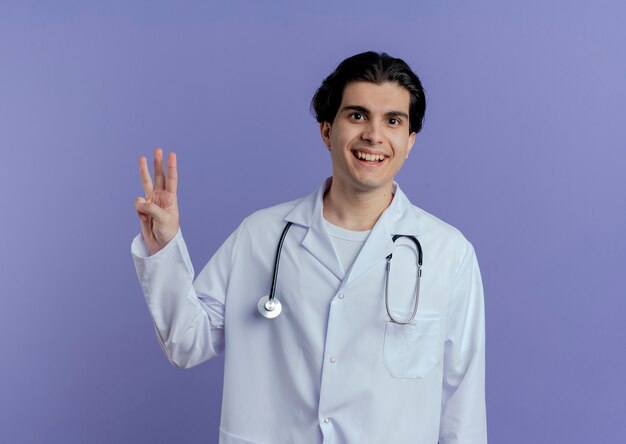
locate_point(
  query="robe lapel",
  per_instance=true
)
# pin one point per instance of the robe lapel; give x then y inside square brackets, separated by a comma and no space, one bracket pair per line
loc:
[317,241]
[376,248]
[399,218]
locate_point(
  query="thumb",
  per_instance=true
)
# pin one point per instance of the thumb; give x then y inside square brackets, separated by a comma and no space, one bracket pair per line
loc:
[149,209]
[144,220]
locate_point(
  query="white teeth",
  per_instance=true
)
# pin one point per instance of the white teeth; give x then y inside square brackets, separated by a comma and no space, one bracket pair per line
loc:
[370,157]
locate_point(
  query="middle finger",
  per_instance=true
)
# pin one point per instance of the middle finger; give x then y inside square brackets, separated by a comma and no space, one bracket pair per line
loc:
[159,174]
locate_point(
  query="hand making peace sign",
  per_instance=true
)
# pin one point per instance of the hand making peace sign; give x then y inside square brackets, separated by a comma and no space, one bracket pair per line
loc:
[158,211]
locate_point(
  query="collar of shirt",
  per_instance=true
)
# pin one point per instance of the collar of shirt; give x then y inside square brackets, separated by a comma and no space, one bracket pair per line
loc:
[400,217]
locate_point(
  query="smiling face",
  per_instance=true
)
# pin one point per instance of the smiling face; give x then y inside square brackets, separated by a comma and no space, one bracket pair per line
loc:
[369,139]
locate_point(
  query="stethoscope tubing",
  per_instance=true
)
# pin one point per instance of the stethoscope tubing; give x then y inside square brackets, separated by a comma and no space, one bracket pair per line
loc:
[420,257]
[277,259]
[270,307]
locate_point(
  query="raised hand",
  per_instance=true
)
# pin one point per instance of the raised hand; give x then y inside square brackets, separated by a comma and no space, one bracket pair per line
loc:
[158,210]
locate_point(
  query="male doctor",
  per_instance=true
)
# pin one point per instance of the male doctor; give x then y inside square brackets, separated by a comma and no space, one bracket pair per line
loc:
[363,350]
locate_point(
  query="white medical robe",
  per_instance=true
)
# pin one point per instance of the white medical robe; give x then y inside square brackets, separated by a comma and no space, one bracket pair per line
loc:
[331,368]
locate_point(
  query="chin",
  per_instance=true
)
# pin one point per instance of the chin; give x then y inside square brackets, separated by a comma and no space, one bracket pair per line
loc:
[372,185]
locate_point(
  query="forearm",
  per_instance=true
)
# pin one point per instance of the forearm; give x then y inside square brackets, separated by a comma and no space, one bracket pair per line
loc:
[181,322]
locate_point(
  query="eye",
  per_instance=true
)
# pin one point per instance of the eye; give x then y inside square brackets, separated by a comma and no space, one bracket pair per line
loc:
[357,116]
[394,121]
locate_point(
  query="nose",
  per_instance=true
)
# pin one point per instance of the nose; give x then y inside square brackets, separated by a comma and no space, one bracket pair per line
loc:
[372,133]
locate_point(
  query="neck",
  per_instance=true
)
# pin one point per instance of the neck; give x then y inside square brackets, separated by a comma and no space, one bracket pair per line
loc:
[352,210]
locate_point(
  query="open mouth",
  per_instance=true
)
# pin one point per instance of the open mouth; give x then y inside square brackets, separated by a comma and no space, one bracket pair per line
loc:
[370,158]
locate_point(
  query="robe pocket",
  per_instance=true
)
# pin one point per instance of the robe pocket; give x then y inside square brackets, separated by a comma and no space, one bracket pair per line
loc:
[412,350]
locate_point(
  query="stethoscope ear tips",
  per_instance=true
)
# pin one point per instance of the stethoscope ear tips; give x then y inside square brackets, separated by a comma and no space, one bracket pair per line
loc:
[269,308]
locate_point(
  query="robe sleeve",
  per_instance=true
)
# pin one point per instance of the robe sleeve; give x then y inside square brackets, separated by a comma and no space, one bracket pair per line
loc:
[188,315]
[463,414]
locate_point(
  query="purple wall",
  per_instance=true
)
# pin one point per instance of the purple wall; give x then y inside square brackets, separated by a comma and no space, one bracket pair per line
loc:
[524,149]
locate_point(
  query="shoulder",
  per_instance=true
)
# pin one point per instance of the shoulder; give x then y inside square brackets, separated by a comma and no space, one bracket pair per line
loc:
[260,231]
[273,214]
[268,223]
[429,227]
[438,227]
[442,235]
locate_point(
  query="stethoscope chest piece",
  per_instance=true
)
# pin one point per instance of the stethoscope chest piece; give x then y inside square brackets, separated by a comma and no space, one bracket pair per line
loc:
[269,308]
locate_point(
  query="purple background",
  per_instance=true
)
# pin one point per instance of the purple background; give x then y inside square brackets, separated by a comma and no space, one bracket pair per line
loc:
[523,149]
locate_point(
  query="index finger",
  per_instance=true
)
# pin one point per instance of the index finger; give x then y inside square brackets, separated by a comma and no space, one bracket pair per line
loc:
[171,182]
[146,179]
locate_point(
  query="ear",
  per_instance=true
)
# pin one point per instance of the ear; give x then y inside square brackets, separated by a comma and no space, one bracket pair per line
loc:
[410,144]
[325,133]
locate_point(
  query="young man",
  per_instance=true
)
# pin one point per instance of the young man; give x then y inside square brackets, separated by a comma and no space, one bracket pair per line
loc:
[358,343]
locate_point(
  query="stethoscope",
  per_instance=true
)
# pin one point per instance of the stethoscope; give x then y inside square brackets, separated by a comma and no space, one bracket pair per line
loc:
[270,307]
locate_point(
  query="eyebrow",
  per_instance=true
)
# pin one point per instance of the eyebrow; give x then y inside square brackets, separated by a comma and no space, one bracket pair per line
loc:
[364,110]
